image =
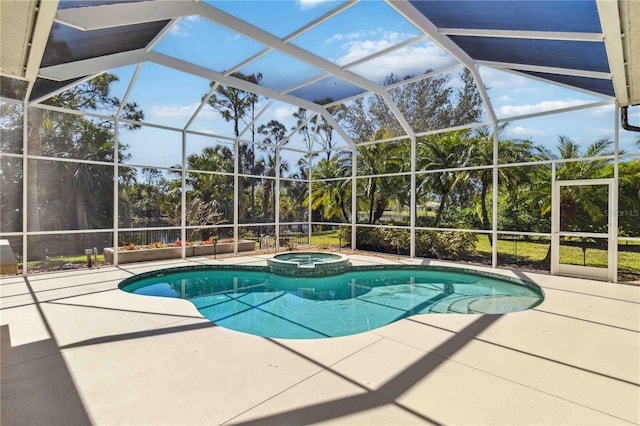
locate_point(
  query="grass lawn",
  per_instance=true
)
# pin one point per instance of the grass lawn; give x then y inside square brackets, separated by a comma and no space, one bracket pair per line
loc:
[59,261]
[321,238]
[535,251]
[530,251]
[522,252]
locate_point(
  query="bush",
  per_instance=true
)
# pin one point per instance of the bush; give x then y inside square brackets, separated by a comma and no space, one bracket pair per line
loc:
[383,240]
[450,245]
[344,234]
[444,244]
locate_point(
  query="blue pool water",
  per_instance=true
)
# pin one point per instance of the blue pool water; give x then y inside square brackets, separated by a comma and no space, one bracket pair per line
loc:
[253,300]
[307,258]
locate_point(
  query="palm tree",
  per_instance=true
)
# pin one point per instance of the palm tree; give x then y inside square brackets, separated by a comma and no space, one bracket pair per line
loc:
[206,187]
[439,152]
[216,158]
[581,207]
[238,106]
[629,197]
[274,133]
[294,193]
[481,153]
[269,195]
[375,160]
[332,196]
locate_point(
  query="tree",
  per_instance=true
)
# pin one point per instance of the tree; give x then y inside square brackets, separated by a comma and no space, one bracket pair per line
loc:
[11,189]
[11,172]
[441,152]
[332,197]
[233,104]
[318,130]
[431,103]
[469,102]
[210,186]
[294,192]
[375,160]
[209,197]
[629,198]
[304,128]
[274,134]
[75,136]
[580,207]
[426,104]
[358,121]
[238,106]
[481,153]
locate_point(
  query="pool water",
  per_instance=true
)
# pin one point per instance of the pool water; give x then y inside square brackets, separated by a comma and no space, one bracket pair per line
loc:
[307,258]
[264,304]
[308,264]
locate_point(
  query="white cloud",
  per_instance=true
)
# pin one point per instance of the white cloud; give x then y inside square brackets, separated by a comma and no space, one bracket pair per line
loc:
[528,90]
[407,61]
[602,111]
[184,25]
[360,49]
[517,110]
[495,79]
[309,4]
[604,131]
[285,113]
[521,131]
[334,38]
[173,111]
[357,47]
[353,37]
[500,82]
[181,111]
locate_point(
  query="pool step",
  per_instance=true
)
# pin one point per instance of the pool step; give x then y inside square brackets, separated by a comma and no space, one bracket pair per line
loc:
[443,306]
[459,305]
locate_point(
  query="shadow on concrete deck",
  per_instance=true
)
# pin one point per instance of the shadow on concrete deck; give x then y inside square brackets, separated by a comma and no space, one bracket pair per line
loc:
[37,387]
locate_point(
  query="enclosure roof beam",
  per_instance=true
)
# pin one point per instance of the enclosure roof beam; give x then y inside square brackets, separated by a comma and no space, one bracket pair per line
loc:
[548,70]
[540,35]
[424,24]
[71,70]
[241,84]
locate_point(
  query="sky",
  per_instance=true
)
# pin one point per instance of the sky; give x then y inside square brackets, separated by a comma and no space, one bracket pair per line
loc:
[170,98]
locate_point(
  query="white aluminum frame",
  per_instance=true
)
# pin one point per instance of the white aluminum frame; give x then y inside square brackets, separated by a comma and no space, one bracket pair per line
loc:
[132,13]
[558,268]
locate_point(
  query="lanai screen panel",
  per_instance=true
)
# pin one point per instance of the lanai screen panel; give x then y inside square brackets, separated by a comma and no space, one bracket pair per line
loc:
[557,40]
[323,53]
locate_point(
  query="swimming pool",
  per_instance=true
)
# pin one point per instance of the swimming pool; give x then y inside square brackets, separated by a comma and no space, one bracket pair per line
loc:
[255,301]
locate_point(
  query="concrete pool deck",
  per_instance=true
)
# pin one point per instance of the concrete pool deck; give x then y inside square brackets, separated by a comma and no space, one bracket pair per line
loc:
[77,350]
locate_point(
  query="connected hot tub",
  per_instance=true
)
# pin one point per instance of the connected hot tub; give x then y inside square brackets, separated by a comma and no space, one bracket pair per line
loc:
[308,264]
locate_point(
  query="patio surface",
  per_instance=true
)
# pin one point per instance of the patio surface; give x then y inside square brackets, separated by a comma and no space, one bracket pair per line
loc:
[77,350]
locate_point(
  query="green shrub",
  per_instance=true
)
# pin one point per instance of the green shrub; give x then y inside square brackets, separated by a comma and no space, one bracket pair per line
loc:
[450,245]
[344,234]
[384,240]
[444,244]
